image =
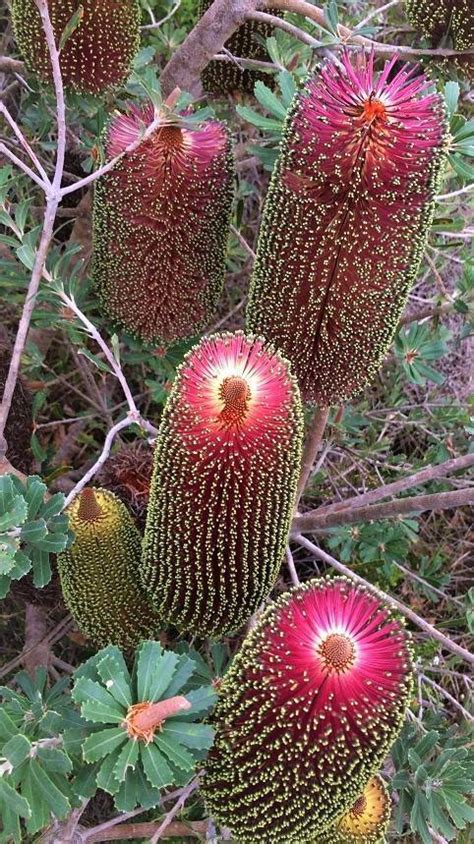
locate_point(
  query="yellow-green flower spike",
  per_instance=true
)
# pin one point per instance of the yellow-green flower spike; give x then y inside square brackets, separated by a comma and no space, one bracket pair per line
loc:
[367,820]
[436,18]
[99,572]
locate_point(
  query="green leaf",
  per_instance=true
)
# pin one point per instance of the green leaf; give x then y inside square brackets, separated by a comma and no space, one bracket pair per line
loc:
[17,750]
[197,736]
[98,745]
[157,770]
[269,100]
[451,95]
[155,669]
[118,685]
[74,21]
[33,531]
[176,754]
[97,704]
[128,759]
[57,803]
[256,119]
[183,673]
[8,727]
[12,800]
[201,700]
[106,778]
[15,515]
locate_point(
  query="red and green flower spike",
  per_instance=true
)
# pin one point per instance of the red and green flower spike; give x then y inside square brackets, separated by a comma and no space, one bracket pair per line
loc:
[99,572]
[223,488]
[161,225]
[247,42]
[307,712]
[367,820]
[103,39]
[345,222]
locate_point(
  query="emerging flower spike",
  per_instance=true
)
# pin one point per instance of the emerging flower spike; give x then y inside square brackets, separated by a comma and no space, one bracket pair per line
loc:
[247,42]
[366,821]
[307,712]
[127,473]
[345,222]
[223,488]
[99,49]
[99,572]
[435,18]
[161,224]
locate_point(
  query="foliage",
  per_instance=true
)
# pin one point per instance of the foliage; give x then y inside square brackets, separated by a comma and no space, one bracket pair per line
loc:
[131,770]
[32,528]
[434,779]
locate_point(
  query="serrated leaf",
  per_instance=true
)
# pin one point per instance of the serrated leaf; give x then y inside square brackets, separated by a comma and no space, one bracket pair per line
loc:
[201,700]
[106,778]
[269,100]
[97,704]
[183,673]
[118,685]
[175,752]
[157,770]
[155,670]
[54,760]
[128,758]
[84,783]
[33,531]
[12,800]
[16,750]
[53,506]
[57,803]
[98,745]
[8,728]
[42,571]
[15,515]
[197,736]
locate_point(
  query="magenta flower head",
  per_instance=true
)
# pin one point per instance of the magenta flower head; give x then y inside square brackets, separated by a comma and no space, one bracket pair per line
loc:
[161,224]
[223,488]
[345,222]
[307,712]
[102,42]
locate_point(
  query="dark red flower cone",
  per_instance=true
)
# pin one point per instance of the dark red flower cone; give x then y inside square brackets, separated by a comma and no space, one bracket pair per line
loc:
[307,712]
[223,488]
[161,224]
[98,52]
[345,222]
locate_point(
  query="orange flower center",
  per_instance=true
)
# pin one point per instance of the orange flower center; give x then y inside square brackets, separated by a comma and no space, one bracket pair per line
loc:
[359,806]
[89,509]
[234,392]
[337,652]
[169,139]
[374,110]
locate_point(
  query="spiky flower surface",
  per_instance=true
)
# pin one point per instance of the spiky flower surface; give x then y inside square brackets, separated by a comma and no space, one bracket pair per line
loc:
[307,712]
[345,222]
[161,224]
[435,18]
[99,51]
[366,821]
[223,487]
[99,572]
[19,427]
[247,42]
[127,473]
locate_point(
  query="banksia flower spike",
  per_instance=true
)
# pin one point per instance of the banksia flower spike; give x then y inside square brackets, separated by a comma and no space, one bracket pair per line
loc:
[101,45]
[127,473]
[161,224]
[99,572]
[223,487]
[435,18]
[247,42]
[366,821]
[307,712]
[345,222]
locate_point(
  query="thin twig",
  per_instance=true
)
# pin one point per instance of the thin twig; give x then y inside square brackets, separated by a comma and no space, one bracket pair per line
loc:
[416,619]
[375,13]
[443,196]
[467,715]
[314,438]
[286,26]
[291,568]
[158,24]
[187,791]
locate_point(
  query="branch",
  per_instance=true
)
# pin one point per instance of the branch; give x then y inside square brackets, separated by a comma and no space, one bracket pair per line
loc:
[430,473]
[53,197]
[208,37]
[416,619]
[9,65]
[312,445]
[197,829]
[286,26]
[187,791]
[400,507]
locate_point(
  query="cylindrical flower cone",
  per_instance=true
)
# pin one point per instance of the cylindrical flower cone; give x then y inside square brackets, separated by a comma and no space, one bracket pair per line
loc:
[307,712]
[366,821]
[161,225]
[100,46]
[223,488]
[345,222]
[436,18]
[99,572]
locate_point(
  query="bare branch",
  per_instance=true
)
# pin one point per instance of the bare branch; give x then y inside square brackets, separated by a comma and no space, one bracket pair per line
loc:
[312,445]
[416,619]
[400,507]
